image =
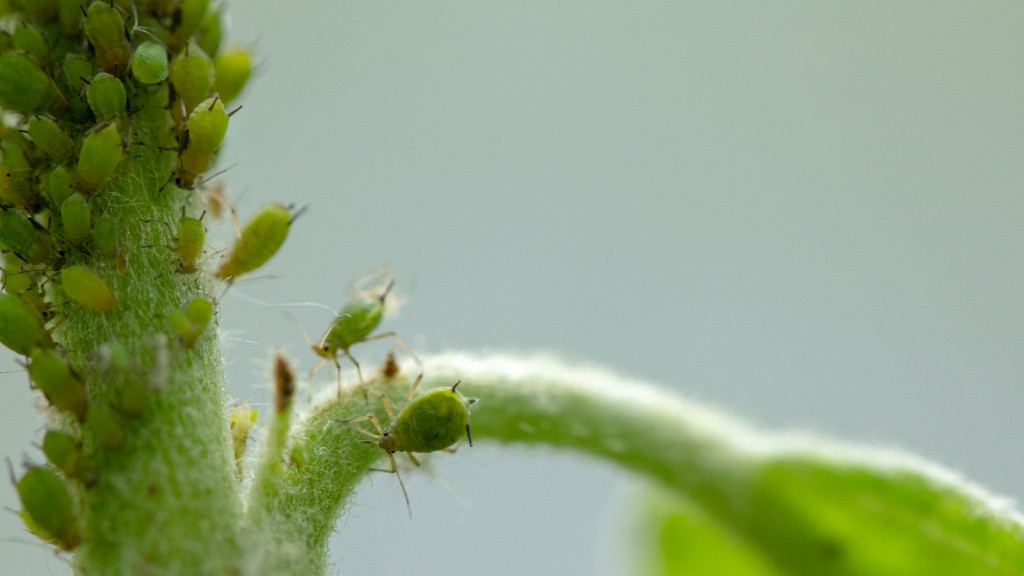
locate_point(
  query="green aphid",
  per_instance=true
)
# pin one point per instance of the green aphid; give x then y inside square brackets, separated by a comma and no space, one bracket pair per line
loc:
[189,237]
[355,323]
[62,387]
[207,125]
[27,238]
[106,96]
[105,426]
[149,63]
[188,242]
[47,507]
[76,215]
[232,70]
[192,76]
[77,70]
[189,324]
[106,239]
[14,278]
[25,88]
[85,287]
[104,27]
[101,152]
[261,238]
[210,32]
[50,138]
[35,298]
[204,132]
[65,452]
[59,186]
[69,13]
[21,329]
[435,420]
[29,39]
[190,16]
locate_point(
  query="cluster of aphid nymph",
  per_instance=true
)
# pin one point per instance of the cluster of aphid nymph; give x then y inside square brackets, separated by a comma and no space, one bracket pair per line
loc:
[96,97]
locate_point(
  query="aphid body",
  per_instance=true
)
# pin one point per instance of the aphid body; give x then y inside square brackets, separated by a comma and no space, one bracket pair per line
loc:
[435,420]
[261,238]
[355,323]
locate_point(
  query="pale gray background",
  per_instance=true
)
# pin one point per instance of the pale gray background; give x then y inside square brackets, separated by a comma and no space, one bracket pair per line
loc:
[809,214]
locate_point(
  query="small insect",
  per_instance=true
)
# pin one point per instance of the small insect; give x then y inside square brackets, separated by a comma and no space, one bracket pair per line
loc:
[106,96]
[76,69]
[105,425]
[47,507]
[60,384]
[21,329]
[355,323]
[29,39]
[189,324]
[434,421]
[192,76]
[85,287]
[24,87]
[59,186]
[261,238]
[76,215]
[27,238]
[65,452]
[101,152]
[106,239]
[188,241]
[149,63]
[104,27]
[232,69]
[198,144]
[51,138]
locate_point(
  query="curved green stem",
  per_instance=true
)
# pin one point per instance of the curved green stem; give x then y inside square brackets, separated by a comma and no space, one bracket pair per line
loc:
[810,507]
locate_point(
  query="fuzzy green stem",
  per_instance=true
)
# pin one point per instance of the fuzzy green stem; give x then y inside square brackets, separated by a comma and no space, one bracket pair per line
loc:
[809,507]
[166,500]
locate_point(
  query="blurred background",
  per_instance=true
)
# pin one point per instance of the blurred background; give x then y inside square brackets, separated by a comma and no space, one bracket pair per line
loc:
[808,215]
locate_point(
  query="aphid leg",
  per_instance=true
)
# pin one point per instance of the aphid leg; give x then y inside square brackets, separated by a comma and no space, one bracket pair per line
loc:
[387,406]
[469,435]
[369,417]
[413,459]
[415,385]
[359,372]
[401,343]
[394,470]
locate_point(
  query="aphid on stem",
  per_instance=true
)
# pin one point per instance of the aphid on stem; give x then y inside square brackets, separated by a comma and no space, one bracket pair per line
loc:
[434,421]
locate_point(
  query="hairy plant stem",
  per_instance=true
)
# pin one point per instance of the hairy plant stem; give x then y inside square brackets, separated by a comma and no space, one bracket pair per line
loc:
[165,502]
[807,506]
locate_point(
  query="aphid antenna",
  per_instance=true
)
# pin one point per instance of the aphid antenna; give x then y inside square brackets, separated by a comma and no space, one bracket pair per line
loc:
[297,213]
[203,181]
[10,473]
[253,300]
[387,291]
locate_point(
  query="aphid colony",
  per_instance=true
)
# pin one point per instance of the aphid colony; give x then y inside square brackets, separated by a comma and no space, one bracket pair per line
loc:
[90,91]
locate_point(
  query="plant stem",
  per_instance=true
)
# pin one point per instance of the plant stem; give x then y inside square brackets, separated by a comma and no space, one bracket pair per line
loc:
[808,506]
